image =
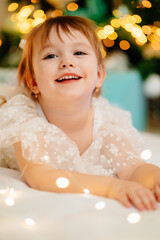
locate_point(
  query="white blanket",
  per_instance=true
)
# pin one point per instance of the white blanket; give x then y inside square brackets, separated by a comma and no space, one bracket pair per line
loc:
[27,214]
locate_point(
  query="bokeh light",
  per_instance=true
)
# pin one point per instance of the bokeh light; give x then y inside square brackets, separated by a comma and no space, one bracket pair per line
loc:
[72,7]
[12,7]
[124,45]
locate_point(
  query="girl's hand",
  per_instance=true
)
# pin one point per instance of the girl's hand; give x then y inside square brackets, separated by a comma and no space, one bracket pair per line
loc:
[131,193]
[156,186]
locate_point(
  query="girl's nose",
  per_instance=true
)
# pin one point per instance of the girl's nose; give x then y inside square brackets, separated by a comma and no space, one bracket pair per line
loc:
[67,63]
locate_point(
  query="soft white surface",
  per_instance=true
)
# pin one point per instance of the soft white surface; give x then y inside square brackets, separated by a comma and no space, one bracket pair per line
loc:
[71,216]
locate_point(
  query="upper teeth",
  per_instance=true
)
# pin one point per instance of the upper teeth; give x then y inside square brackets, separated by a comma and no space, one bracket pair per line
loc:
[68,77]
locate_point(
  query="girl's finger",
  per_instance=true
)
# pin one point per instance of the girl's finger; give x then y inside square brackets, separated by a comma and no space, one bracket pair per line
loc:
[137,201]
[157,192]
[148,199]
[125,201]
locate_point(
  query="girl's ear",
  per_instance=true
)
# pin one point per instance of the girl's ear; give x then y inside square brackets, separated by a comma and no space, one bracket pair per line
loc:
[101,75]
[31,83]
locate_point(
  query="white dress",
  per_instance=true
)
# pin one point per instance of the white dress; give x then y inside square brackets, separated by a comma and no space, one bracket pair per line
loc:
[116,145]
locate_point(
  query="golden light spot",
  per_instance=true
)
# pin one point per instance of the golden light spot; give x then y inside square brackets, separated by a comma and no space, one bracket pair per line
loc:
[12,7]
[158,32]
[37,21]
[13,18]
[57,13]
[117,13]
[129,27]
[147,4]
[24,26]
[146,29]
[155,45]
[139,43]
[124,45]
[108,42]
[134,217]
[137,32]
[142,39]
[115,23]
[108,29]
[62,182]
[137,18]
[113,36]
[35,1]
[157,37]
[72,7]
[24,12]
[38,13]
[102,34]
[0,42]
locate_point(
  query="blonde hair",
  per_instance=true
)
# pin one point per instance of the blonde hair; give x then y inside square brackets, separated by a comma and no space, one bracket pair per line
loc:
[66,23]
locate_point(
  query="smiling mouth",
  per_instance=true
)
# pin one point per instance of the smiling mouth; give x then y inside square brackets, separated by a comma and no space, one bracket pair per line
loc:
[68,79]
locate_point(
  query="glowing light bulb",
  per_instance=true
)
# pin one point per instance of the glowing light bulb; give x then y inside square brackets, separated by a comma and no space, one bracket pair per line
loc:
[100,205]
[86,191]
[9,201]
[102,34]
[146,154]
[62,182]
[29,221]
[12,7]
[134,218]
[72,7]
[108,29]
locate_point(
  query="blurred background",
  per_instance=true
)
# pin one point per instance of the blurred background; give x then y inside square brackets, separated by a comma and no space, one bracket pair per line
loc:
[130,31]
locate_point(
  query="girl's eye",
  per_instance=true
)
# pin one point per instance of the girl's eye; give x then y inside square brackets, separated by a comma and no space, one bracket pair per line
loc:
[79,53]
[49,56]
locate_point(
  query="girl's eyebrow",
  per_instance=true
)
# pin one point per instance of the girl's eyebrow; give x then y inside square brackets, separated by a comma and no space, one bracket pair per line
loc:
[75,44]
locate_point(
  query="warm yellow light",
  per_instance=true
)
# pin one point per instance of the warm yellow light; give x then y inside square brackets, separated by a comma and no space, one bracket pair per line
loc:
[137,18]
[24,26]
[24,12]
[108,29]
[142,39]
[62,182]
[35,1]
[124,45]
[113,36]
[13,18]
[102,34]
[129,27]
[147,4]
[108,42]
[123,22]
[115,23]
[137,32]
[158,31]
[157,37]
[38,21]
[146,29]
[117,13]
[139,43]
[38,13]
[12,7]
[72,7]
[155,45]
[0,42]
[130,19]
[56,13]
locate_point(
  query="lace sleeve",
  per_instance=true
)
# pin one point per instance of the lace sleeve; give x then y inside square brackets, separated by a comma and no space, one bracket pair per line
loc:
[123,147]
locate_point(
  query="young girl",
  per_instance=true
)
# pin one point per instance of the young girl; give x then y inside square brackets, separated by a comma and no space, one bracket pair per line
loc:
[61,132]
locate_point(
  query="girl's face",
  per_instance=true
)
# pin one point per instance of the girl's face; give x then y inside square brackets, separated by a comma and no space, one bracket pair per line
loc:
[66,68]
